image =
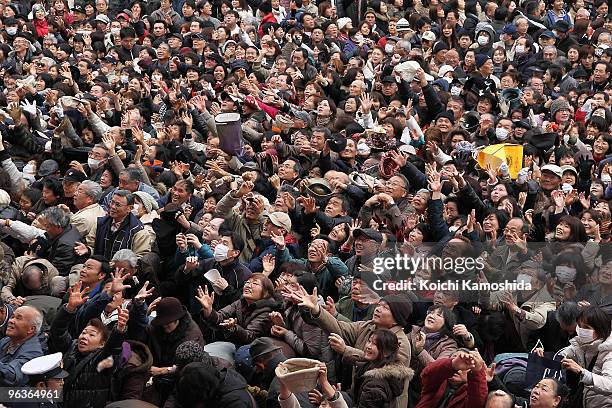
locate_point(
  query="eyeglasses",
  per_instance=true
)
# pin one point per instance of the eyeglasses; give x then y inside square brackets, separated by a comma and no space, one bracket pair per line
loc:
[116,204]
[94,155]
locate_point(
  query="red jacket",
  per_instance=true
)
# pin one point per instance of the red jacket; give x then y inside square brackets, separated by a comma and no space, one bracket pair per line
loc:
[435,378]
[268,18]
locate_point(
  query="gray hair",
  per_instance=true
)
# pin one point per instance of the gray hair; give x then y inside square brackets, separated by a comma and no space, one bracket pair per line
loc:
[132,173]
[37,320]
[405,44]
[56,216]
[128,196]
[94,190]
[550,48]
[126,255]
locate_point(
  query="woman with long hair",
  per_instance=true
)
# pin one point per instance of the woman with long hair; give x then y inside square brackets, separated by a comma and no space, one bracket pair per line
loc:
[380,379]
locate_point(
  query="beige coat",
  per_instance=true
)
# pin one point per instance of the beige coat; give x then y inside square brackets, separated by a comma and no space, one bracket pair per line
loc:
[14,280]
[85,221]
[356,335]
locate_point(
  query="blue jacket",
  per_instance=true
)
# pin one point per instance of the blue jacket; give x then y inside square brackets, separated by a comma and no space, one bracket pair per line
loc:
[12,360]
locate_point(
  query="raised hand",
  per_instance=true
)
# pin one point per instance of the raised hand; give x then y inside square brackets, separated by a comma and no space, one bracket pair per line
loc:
[463,361]
[205,300]
[76,297]
[304,299]
[269,262]
[279,240]
[122,318]
[144,292]
[81,249]
[337,343]
[117,282]
[330,306]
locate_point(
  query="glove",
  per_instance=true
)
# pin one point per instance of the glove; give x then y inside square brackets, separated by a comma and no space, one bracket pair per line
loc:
[522,175]
[504,169]
[29,107]
[585,167]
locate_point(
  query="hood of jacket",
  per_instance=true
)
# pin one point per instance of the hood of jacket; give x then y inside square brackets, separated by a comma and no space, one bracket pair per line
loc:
[395,374]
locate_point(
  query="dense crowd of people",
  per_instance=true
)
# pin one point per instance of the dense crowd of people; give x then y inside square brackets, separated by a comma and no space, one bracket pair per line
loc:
[194,193]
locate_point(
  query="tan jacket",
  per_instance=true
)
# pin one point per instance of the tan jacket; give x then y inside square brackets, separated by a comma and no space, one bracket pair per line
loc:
[85,221]
[14,280]
[356,335]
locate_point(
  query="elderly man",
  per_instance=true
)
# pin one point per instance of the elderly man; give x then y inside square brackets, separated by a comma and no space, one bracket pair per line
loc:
[20,345]
[29,276]
[61,239]
[131,179]
[84,220]
[248,223]
[120,229]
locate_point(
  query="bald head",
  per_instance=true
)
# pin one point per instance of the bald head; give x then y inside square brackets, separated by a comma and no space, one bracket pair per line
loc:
[32,277]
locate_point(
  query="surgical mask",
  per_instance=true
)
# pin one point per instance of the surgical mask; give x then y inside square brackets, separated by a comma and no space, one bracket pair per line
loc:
[565,274]
[115,31]
[523,278]
[11,30]
[483,40]
[220,253]
[389,48]
[93,163]
[520,49]
[584,335]
[455,91]
[501,133]
[363,149]
[135,209]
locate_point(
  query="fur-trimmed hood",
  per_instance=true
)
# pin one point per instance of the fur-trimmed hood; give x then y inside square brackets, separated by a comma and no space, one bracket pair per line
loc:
[395,370]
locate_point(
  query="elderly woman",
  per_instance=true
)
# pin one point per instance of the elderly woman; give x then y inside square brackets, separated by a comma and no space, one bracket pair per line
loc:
[89,380]
[247,318]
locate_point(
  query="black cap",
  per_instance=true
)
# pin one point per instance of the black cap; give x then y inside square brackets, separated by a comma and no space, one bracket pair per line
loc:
[262,346]
[388,79]
[73,175]
[10,21]
[524,124]
[198,36]
[48,167]
[239,64]
[562,25]
[368,232]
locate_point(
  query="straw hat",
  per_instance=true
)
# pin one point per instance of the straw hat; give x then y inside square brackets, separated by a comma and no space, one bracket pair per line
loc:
[298,374]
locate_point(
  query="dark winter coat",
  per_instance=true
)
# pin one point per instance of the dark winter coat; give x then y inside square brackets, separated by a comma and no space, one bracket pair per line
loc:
[379,387]
[85,387]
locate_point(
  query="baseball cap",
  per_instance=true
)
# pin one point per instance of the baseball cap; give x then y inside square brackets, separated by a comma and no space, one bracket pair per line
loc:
[553,168]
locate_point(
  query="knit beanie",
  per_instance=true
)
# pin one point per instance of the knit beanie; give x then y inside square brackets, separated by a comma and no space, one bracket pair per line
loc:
[401,308]
[557,105]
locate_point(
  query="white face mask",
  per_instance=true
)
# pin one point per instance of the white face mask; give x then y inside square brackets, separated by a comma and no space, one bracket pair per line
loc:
[11,30]
[115,31]
[565,274]
[523,278]
[363,149]
[455,91]
[389,48]
[520,49]
[501,134]
[135,209]
[93,163]
[483,40]
[584,335]
[220,253]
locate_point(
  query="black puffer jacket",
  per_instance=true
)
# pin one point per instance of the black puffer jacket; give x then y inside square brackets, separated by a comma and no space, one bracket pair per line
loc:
[379,387]
[85,387]
[163,346]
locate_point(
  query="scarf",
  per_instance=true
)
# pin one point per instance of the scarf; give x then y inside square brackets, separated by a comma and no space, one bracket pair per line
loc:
[431,338]
[323,120]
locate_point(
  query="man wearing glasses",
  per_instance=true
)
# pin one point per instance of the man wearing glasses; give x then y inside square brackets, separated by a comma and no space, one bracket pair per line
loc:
[120,229]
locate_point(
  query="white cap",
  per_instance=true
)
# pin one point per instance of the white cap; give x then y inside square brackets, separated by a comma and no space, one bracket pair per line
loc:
[428,36]
[445,69]
[553,168]
[50,364]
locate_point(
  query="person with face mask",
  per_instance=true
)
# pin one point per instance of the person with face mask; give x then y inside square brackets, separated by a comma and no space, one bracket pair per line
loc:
[227,283]
[535,302]
[587,359]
